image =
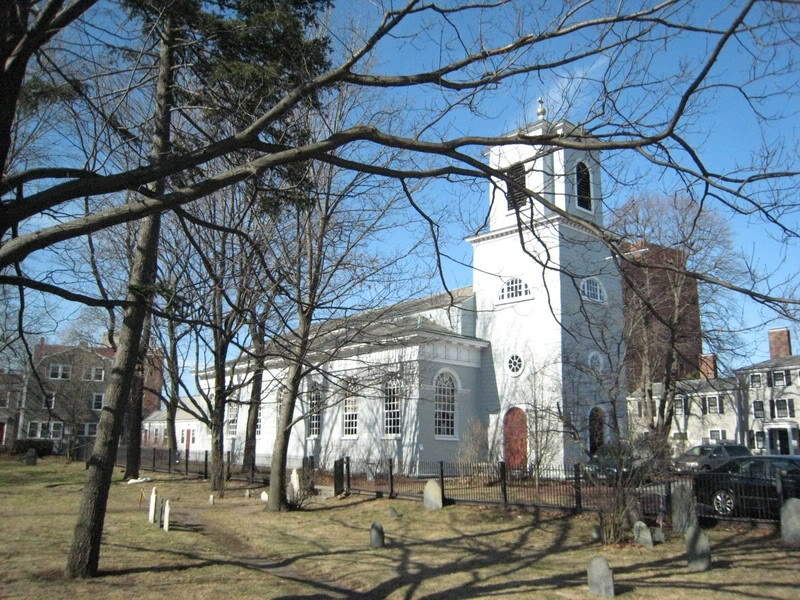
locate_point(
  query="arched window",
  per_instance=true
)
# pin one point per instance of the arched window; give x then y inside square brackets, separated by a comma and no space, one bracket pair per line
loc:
[515,365]
[445,412]
[514,288]
[314,408]
[391,407]
[583,182]
[592,289]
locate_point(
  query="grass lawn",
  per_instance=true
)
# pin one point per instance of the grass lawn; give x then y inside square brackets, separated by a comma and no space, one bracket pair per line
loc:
[234,549]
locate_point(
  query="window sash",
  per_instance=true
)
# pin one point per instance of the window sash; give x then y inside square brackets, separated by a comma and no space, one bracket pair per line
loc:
[98,400]
[758,409]
[350,420]
[782,408]
[755,380]
[445,409]
[391,408]
[778,379]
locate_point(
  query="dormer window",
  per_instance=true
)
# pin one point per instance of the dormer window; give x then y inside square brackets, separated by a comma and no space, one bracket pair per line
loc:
[592,289]
[583,183]
[514,288]
[515,196]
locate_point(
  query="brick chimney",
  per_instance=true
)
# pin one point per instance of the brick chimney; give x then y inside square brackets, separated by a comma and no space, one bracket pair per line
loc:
[708,366]
[780,343]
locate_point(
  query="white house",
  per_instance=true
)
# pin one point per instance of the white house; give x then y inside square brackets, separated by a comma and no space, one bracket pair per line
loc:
[538,335]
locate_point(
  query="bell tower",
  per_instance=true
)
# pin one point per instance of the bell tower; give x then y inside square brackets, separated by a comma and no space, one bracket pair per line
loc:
[548,298]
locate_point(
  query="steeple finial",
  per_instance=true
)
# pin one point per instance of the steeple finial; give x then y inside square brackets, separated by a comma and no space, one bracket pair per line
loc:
[541,111]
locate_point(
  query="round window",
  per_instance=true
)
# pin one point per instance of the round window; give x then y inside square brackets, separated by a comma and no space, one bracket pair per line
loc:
[515,364]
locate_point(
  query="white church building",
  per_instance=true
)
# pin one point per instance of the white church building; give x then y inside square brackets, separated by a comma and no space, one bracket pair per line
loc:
[525,362]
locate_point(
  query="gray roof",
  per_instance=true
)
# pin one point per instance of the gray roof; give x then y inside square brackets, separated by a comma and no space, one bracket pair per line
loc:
[696,386]
[782,362]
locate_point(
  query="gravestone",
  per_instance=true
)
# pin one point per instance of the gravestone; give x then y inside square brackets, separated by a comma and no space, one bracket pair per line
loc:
[790,522]
[601,578]
[432,495]
[159,512]
[211,499]
[698,549]
[658,535]
[247,493]
[264,497]
[392,512]
[684,508]
[166,516]
[376,537]
[597,533]
[151,514]
[31,457]
[293,490]
[642,535]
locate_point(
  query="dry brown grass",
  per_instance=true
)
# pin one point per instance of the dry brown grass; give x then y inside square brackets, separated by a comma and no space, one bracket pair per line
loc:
[235,549]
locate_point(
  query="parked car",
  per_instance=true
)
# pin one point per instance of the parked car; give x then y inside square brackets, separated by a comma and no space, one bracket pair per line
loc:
[708,456]
[748,486]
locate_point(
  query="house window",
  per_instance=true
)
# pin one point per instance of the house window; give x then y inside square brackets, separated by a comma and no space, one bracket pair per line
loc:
[592,289]
[515,365]
[516,197]
[258,421]
[233,418]
[761,440]
[314,408]
[90,430]
[445,411]
[183,437]
[639,408]
[514,288]
[94,374]
[98,399]
[758,409]
[778,378]
[350,421]
[755,380]
[782,408]
[713,405]
[4,400]
[677,405]
[56,430]
[278,404]
[33,429]
[583,183]
[717,434]
[155,435]
[391,407]
[58,371]
[49,401]
[193,438]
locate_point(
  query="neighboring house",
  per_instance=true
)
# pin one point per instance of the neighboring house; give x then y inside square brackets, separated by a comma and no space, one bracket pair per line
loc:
[12,388]
[541,327]
[770,392]
[65,392]
[755,408]
[190,433]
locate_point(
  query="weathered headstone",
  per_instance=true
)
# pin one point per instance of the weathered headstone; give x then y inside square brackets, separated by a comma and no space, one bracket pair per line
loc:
[642,535]
[597,533]
[790,522]
[684,508]
[293,489]
[211,499]
[392,512]
[247,493]
[31,457]
[376,537]
[432,495]
[166,516]
[151,514]
[658,535]
[264,497]
[698,549]
[601,578]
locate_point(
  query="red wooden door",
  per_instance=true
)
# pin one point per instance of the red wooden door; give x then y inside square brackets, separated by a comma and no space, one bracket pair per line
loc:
[515,438]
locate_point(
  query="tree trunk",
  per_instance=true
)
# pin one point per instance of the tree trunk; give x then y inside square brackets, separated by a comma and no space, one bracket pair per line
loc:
[217,474]
[134,421]
[249,459]
[174,387]
[84,555]
[280,450]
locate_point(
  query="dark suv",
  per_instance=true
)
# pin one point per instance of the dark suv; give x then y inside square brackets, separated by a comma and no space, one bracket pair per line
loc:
[708,456]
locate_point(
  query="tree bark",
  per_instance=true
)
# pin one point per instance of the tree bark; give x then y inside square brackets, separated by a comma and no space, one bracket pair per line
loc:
[249,459]
[84,555]
[134,421]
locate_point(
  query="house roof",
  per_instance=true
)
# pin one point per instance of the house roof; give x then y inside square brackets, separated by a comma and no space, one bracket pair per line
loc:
[784,362]
[695,386]
[160,416]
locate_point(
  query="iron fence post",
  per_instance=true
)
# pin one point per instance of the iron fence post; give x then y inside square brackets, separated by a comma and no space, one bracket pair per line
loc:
[186,464]
[668,498]
[578,495]
[391,478]
[347,472]
[154,459]
[503,485]
[205,465]
[441,478]
[228,464]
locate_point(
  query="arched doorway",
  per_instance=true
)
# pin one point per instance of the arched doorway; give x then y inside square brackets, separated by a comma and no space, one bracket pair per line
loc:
[515,438]
[597,429]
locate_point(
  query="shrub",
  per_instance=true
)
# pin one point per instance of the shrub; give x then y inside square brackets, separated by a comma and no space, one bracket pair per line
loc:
[42,447]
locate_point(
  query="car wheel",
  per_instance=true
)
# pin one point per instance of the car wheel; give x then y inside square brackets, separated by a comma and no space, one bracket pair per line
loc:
[724,503]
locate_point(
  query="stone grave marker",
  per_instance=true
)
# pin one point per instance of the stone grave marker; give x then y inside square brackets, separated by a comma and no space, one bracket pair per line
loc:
[264,497]
[247,493]
[376,536]
[684,508]
[293,489]
[166,516]
[597,533]
[658,535]
[31,457]
[392,512]
[642,535]
[790,522]
[432,495]
[698,549]
[151,514]
[601,578]
[211,499]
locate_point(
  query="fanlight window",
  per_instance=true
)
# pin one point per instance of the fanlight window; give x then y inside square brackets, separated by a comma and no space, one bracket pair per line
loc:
[514,288]
[592,289]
